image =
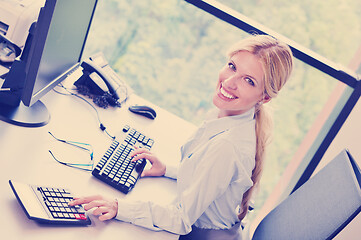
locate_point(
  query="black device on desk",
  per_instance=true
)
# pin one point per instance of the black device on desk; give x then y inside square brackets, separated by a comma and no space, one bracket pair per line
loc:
[115,167]
[100,82]
[46,204]
[143,110]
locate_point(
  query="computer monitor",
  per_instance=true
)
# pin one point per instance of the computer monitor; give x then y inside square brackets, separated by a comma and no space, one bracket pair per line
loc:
[52,51]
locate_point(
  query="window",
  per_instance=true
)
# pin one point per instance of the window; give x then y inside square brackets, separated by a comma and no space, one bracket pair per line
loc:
[170,53]
[330,28]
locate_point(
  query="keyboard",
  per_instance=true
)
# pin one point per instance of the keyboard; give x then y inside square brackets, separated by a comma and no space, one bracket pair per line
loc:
[115,167]
[46,204]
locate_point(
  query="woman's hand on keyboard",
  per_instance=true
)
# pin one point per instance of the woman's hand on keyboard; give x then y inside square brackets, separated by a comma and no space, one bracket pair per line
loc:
[158,168]
[104,208]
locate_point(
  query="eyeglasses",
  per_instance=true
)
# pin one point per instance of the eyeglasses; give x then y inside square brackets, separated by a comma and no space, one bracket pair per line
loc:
[82,146]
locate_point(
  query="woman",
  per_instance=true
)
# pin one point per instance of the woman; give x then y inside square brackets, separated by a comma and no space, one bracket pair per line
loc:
[222,162]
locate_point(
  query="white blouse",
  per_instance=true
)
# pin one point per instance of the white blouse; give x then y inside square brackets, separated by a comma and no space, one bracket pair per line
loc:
[214,173]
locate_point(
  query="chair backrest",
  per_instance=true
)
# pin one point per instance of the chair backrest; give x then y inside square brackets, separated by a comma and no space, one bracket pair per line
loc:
[320,208]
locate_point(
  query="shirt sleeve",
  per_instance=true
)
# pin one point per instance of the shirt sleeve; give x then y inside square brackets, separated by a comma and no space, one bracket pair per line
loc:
[211,178]
[171,172]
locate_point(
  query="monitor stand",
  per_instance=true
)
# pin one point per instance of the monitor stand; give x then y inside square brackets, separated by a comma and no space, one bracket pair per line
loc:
[35,116]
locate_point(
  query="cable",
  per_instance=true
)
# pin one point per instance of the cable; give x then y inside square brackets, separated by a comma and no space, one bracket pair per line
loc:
[101,125]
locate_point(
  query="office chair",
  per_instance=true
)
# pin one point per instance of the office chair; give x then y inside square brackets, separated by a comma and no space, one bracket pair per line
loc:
[320,208]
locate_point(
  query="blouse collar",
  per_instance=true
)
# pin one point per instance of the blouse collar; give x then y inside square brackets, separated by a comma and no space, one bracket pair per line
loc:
[215,125]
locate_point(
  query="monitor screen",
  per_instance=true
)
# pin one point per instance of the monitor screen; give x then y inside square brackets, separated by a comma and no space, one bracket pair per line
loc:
[52,51]
[62,48]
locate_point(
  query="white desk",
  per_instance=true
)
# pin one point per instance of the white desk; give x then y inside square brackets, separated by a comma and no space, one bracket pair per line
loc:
[25,158]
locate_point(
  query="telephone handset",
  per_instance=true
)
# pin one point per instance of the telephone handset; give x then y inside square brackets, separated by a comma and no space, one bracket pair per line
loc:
[100,82]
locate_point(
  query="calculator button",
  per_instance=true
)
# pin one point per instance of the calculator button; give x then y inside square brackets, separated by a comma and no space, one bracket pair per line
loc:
[80,216]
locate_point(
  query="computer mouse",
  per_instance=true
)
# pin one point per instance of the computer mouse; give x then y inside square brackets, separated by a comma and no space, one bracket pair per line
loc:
[143,110]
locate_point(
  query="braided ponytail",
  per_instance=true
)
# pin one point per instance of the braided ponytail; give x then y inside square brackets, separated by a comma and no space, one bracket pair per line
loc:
[277,63]
[263,133]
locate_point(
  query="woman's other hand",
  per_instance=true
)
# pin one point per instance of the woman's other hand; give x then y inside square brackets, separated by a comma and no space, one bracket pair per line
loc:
[158,168]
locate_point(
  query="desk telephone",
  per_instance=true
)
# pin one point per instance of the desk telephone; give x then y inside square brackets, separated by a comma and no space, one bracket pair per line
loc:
[101,83]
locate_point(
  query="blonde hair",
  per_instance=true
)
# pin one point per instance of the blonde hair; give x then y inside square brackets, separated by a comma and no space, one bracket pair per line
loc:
[277,62]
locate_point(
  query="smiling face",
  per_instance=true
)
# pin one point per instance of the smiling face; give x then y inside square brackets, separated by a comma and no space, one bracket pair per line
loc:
[240,85]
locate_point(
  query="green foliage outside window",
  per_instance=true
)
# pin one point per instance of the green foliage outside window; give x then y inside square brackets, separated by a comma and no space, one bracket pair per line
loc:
[170,53]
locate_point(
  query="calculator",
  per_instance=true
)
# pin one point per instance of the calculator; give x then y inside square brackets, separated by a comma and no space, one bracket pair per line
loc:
[46,204]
